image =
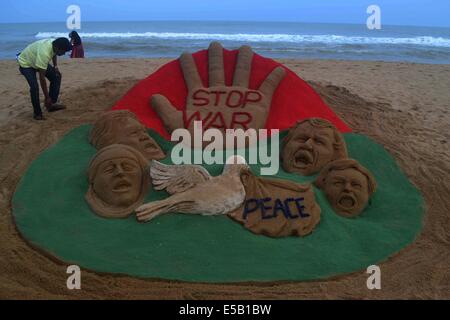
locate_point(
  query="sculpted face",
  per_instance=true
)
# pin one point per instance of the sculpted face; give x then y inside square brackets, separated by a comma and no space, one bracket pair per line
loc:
[118,181]
[347,191]
[122,127]
[309,149]
[347,185]
[133,134]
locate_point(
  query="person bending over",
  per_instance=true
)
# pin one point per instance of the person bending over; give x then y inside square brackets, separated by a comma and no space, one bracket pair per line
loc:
[36,59]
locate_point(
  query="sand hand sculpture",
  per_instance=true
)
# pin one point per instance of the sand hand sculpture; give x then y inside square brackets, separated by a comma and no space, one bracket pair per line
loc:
[194,191]
[123,127]
[118,181]
[220,106]
[347,186]
[310,145]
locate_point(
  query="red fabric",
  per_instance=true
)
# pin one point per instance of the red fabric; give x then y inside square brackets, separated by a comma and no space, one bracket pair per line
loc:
[294,99]
[77,51]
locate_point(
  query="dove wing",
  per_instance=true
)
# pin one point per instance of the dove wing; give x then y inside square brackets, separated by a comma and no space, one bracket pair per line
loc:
[177,178]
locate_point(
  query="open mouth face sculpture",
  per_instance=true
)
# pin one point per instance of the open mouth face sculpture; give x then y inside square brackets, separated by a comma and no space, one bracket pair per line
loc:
[118,181]
[347,186]
[310,145]
[123,127]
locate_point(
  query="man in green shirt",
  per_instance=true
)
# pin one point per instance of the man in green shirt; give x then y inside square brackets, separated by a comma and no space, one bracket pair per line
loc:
[36,59]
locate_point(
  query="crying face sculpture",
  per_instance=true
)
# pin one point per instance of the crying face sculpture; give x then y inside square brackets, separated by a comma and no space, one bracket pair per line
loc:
[122,127]
[347,186]
[310,145]
[118,181]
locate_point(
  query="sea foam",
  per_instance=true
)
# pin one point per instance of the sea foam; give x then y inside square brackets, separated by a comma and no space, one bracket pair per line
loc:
[246,37]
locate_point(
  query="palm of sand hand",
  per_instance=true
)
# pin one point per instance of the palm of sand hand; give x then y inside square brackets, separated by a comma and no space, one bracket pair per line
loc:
[226,108]
[220,106]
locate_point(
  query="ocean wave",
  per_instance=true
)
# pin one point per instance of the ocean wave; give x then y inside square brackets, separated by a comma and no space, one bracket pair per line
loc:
[243,37]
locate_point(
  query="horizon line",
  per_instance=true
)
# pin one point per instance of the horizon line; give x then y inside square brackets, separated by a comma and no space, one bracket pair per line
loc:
[244,21]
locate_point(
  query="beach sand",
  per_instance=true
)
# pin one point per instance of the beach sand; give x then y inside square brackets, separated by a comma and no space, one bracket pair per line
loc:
[403,106]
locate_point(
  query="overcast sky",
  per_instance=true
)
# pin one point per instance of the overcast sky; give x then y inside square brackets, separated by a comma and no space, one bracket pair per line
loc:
[397,12]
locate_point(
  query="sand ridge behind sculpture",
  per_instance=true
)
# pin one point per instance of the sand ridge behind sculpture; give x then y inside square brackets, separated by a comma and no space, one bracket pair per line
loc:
[408,117]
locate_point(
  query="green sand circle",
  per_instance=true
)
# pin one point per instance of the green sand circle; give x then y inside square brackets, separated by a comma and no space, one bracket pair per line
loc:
[51,213]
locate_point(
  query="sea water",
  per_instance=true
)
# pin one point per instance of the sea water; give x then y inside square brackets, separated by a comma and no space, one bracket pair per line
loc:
[272,39]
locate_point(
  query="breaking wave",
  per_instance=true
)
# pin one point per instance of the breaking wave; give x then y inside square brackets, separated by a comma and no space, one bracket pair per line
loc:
[244,37]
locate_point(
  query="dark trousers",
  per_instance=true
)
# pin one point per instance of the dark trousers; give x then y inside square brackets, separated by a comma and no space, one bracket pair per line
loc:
[55,83]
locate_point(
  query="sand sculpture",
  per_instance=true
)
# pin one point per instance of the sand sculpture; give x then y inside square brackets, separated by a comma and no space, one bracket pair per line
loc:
[194,191]
[271,207]
[347,185]
[123,127]
[220,106]
[118,181]
[310,145]
[277,208]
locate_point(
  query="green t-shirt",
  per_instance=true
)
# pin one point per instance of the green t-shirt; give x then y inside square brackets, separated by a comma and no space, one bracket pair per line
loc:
[37,55]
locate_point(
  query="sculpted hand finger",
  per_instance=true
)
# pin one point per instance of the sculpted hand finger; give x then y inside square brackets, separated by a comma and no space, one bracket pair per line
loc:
[170,116]
[243,67]
[215,63]
[272,81]
[190,72]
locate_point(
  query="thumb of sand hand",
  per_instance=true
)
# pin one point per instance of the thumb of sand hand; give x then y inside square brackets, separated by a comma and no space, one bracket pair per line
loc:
[220,106]
[171,117]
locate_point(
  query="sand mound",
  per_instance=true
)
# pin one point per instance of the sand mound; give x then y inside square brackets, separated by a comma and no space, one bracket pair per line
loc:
[421,270]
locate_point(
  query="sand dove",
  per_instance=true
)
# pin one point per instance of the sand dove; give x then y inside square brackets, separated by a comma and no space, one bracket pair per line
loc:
[194,191]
